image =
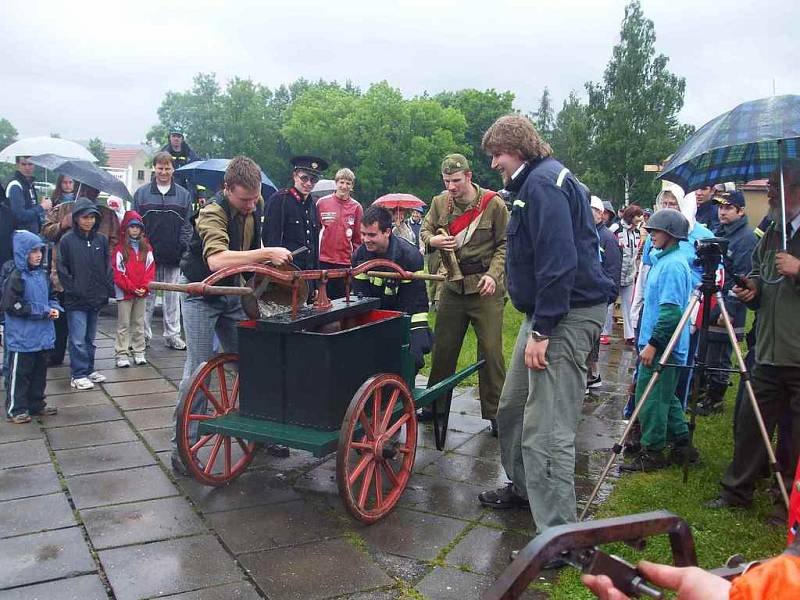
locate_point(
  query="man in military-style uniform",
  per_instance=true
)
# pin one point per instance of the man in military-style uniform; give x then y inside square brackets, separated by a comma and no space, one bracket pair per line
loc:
[290,218]
[476,220]
[401,295]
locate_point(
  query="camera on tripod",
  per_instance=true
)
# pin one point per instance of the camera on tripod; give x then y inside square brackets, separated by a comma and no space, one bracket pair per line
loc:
[709,254]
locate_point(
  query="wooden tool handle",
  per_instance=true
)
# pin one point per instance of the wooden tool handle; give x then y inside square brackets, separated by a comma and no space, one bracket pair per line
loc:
[396,275]
[199,288]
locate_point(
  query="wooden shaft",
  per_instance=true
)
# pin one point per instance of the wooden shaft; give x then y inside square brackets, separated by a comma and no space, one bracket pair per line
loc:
[396,275]
[199,288]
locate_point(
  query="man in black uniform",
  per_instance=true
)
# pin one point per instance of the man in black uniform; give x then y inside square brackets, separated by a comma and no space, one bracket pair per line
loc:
[182,154]
[408,296]
[290,217]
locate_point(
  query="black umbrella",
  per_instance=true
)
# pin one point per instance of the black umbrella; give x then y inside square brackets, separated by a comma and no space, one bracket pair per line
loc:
[83,172]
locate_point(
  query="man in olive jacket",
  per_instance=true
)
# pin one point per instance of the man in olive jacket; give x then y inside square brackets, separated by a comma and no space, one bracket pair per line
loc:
[773,290]
[475,219]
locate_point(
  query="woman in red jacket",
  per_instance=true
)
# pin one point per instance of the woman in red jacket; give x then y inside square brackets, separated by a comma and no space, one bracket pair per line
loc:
[134,269]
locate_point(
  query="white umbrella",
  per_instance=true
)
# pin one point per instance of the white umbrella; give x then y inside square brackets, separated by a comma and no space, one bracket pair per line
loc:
[45,145]
[323,187]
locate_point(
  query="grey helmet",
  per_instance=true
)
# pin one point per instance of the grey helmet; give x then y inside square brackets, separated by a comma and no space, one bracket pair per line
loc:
[671,221]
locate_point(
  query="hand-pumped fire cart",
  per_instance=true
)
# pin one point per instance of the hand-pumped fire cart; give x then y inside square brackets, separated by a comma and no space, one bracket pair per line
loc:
[332,376]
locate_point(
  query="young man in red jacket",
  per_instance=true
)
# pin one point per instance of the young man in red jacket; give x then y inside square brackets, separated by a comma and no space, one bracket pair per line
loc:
[340,236]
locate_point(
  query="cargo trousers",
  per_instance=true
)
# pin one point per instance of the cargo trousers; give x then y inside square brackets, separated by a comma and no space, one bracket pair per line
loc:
[539,413]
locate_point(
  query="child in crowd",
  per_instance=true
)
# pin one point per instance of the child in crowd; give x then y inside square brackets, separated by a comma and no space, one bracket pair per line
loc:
[30,309]
[669,285]
[134,269]
[84,269]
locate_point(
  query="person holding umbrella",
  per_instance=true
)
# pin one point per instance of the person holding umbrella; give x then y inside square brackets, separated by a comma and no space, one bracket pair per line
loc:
[59,222]
[772,289]
[23,200]
[291,219]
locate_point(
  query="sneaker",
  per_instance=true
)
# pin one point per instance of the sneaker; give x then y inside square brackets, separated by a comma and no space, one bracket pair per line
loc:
[176,343]
[45,411]
[594,382]
[96,377]
[19,419]
[123,362]
[139,359]
[147,342]
[605,340]
[504,497]
[82,383]
[646,461]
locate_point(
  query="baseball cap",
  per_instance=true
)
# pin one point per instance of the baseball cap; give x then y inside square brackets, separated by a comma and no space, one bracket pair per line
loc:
[735,198]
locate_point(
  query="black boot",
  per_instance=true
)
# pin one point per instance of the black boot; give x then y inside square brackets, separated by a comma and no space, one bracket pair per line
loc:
[679,451]
[645,461]
[712,402]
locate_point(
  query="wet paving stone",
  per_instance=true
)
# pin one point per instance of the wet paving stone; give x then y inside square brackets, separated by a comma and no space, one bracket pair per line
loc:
[31,515]
[168,567]
[147,401]
[85,587]
[444,583]
[150,418]
[172,373]
[252,488]
[412,534]
[167,361]
[95,434]
[81,415]
[114,487]
[23,482]
[517,519]
[59,386]
[442,497]
[319,570]
[232,591]
[159,439]
[135,388]
[132,373]
[18,433]
[467,423]
[426,439]
[58,373]
[95,459]
[264,527]
[486,550]
[21,454]
[468,469]
[140,522]
[90,398]
[482,446]
[43,556]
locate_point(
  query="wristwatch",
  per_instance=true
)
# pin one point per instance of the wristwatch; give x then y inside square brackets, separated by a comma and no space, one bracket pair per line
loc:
[538,337]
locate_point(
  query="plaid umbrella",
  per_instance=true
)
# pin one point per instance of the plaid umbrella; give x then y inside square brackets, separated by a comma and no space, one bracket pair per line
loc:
[740,145]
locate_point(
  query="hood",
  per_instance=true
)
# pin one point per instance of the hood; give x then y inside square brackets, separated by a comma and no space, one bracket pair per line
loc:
[129,217]
[686,202]
[24,242]
[82,206]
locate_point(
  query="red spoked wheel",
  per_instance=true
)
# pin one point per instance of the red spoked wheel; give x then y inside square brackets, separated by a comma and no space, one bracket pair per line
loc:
[377,444]
[213,459]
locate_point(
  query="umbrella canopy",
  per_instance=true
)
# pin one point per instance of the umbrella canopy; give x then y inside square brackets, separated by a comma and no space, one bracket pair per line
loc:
[45,145]
[397,201]
[210,173]
[83,172]
[743,144]
[324,187]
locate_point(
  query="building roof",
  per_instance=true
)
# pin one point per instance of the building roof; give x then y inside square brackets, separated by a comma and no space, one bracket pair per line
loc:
[756,184]
[121,158]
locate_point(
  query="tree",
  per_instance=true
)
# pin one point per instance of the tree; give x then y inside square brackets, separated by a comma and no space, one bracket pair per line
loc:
[480,109]
[570,134]
[8,135]
[97,148]
[544,117]
[633,112]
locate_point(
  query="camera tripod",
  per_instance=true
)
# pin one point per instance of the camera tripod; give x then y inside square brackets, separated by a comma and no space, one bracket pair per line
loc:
[709,252]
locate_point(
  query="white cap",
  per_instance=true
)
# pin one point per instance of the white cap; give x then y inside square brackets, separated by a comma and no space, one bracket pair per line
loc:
[597,203]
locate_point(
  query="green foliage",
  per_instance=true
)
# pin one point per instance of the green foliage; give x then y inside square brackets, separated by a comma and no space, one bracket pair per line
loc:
[8,135]
[570,134]
[633,113]
[97,148]
[544,117]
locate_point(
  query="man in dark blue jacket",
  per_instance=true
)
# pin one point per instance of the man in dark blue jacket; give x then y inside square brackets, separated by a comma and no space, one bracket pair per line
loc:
[554,277]
[22,198]
[733,226]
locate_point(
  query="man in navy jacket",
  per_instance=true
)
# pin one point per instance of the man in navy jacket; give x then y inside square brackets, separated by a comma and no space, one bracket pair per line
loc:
[554,277]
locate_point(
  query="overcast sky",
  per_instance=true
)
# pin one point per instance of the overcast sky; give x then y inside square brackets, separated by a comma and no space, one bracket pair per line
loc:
[91,68]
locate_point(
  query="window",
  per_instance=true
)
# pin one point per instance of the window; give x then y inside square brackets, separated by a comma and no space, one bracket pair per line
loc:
[140,175]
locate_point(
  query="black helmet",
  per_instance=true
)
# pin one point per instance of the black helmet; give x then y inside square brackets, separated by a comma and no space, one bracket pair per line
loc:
[670,221]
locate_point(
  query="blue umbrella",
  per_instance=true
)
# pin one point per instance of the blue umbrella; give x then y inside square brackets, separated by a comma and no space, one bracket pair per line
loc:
[749,142]
[210,174]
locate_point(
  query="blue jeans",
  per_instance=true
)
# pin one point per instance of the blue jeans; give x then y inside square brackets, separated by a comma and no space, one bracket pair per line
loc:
[82,331]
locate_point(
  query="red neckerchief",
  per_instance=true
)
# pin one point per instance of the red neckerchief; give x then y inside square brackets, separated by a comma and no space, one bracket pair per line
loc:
[462,221]
[296,194]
